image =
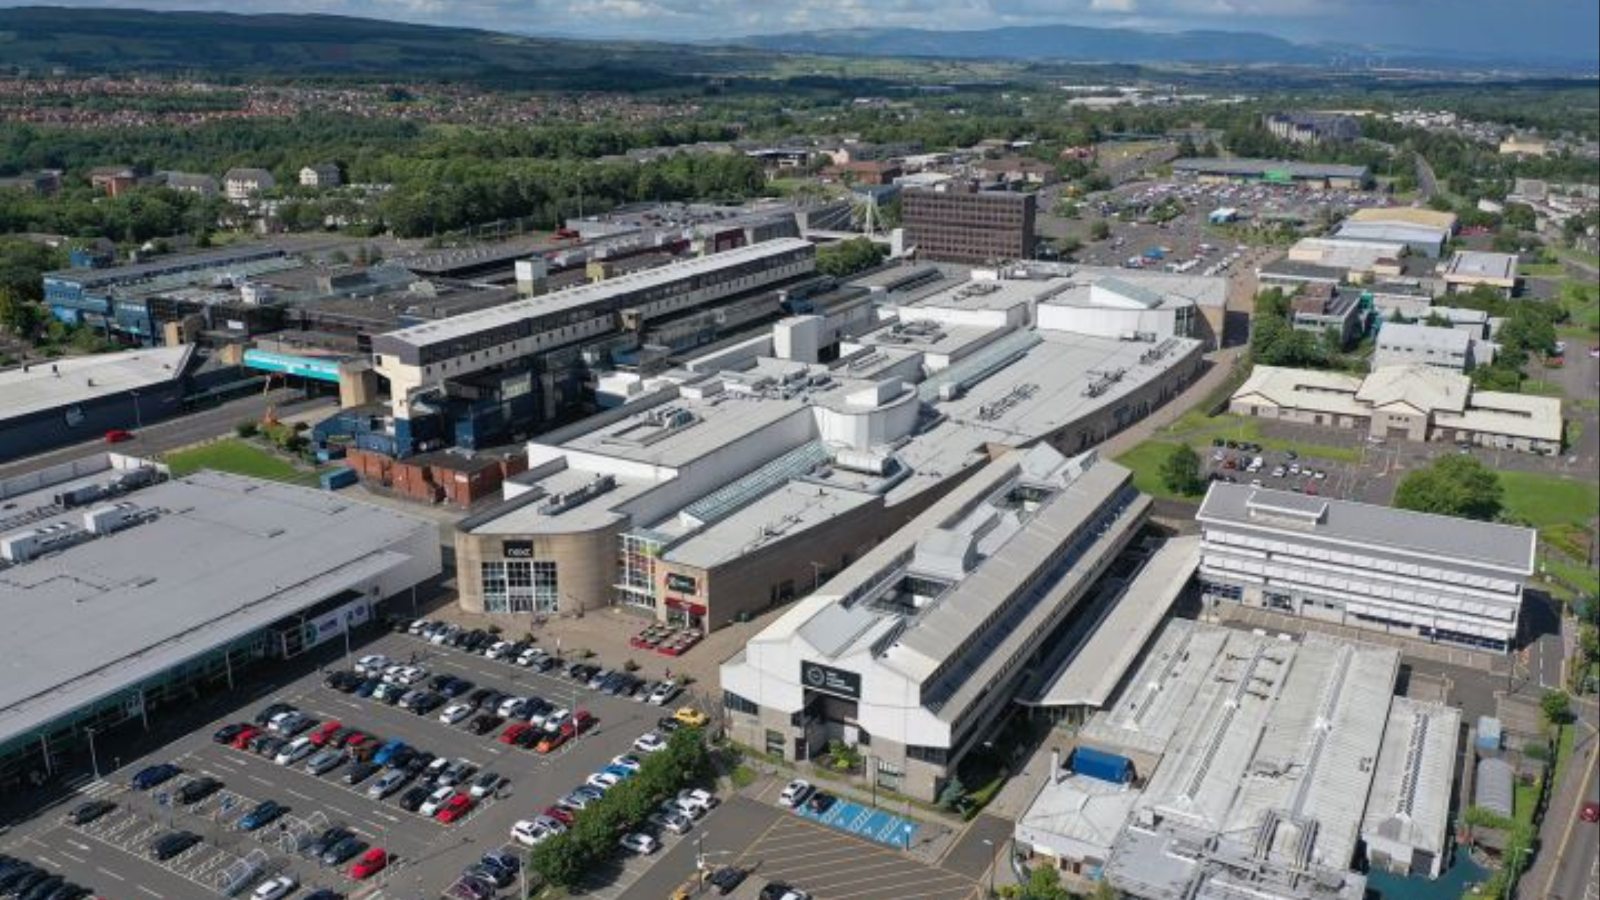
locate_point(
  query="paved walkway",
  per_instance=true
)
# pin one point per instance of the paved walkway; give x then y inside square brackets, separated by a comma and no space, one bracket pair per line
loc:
[1222,363]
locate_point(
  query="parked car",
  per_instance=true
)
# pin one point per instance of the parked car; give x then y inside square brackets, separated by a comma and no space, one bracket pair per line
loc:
[387,783]
[640,843]
[455,808]
[171,844]
[485,784]
[413,799]
[118,435]
[795,793]
[727,878]
[371,863]
[151,776]
[360,771]
[325,761]
[87,812]
[343,851]
[455,713]
[436,800]
[261,815]
[326,840]
[275,888]
[294,751]
[198,789]
[227,733]
[650,742]
[663,693]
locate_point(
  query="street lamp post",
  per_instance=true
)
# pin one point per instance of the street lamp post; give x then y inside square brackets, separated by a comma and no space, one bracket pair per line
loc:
[994,860]
[94,760]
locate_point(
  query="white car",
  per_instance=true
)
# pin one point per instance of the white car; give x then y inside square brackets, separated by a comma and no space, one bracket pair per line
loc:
[704,799]
[532,832]
[625,761]
[444,634]
[673,821]
[510,705]
[387,783]
[498,650]
[372,665]
[410,675]
[294,751]
[663,693]
[605,781]
[642,844]
[685,807]
[554,718]
[650,742]
[436,801]
[795,793]
[391,674]
[417,625]
[530,656]
[454,713]
[273,888]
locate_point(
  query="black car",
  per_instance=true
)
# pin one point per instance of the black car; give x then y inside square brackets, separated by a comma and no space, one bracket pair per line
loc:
[413,799]
[28,872]
[473,888]
[344,682]
[327,840]
[90,811]
[727,878]
[265,716]
[477,697]
[360,771]
[485,724]
[269,744]
[417,764]
[171,844]
[492,701]
[198,789]
[820,802]
[439,681]
[456,687]
[667,724]
[324,894]
[69,891]
[43,888]
[401,757]
[153,775]
[427,703]
[343,851]
[227,733]
[493,874]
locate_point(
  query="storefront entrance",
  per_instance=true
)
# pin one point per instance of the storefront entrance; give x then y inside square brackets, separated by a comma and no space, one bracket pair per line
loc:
[685,614]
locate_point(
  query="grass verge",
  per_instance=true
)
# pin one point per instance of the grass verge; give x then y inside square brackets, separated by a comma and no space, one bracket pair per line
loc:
[239,458]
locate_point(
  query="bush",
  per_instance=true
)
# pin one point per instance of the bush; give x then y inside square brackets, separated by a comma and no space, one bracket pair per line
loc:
[246,429]
[1180,471]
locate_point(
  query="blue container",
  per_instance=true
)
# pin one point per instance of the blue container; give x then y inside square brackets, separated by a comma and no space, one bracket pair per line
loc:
[334,479]
[1490,734]
[330,453]
[1098,764]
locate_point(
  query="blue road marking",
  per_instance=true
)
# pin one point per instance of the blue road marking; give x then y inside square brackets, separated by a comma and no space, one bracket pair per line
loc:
[873,824]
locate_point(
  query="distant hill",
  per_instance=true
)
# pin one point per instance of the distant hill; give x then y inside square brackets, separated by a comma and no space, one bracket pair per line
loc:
[40,38]
[1038,43]
[1047,42]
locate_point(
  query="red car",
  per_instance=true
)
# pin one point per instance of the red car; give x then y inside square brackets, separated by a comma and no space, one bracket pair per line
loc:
[118,435]
[455,808]
[581,721]
[1590,812]
[356,740]
[510,735]
[560,814]
[243,738]
[371,863]
[321,735]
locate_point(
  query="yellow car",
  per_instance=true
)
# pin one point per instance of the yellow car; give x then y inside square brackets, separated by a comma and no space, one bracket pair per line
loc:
[690,716]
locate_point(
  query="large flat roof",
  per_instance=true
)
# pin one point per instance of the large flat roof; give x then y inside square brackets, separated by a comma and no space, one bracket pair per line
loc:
[1425,536]
[1479,264]
[793,508]
[1147,712]
[78,379]
[221,557]
[1410,799]
[1260,167]
[1091,672]
[579,297]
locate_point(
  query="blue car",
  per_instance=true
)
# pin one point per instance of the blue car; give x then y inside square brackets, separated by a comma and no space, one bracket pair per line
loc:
[154,775]
[367,687]
[621,772]
[263,814]
[388,752]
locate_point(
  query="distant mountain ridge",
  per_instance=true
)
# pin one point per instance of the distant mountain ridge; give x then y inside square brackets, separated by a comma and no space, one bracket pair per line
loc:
[1041,43]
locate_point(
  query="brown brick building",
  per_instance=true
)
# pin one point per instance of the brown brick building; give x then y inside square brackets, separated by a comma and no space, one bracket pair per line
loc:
[968,226]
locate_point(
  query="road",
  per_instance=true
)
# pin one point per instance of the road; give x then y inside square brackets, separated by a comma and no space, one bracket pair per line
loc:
[1427,184]
[182,431]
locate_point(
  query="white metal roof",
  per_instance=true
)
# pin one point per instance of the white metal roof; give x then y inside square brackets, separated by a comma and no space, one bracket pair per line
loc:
[77,379]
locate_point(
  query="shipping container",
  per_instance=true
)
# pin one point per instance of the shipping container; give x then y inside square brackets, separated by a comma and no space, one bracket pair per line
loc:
[1102,766]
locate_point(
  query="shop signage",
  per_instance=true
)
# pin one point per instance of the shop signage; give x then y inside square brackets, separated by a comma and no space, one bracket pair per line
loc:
[829,680]
[517,549]
[681,583]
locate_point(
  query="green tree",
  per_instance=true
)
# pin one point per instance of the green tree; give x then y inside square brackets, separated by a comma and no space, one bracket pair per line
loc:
[1044,883]
[1180,471]
[1099,230]
[954,792]
[1556,707]
[18,315]
[848,257]
[1456,485]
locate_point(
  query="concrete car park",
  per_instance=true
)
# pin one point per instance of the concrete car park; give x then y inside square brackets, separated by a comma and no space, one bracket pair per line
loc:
[111,854]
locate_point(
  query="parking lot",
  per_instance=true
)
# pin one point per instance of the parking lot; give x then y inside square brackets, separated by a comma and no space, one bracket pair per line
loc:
[111,854]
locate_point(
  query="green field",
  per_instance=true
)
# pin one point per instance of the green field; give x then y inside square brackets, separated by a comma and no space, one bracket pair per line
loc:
[1549,500]
[1145,461]
[239,458]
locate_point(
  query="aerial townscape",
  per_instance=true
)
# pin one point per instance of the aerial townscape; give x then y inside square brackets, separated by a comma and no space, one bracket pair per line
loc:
[849,450]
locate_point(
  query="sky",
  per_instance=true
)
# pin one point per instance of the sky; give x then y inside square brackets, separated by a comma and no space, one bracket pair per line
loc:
[1527,29]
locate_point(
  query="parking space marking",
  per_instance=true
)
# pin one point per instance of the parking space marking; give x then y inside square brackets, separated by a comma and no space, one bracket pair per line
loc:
[109,874]
[150,892]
